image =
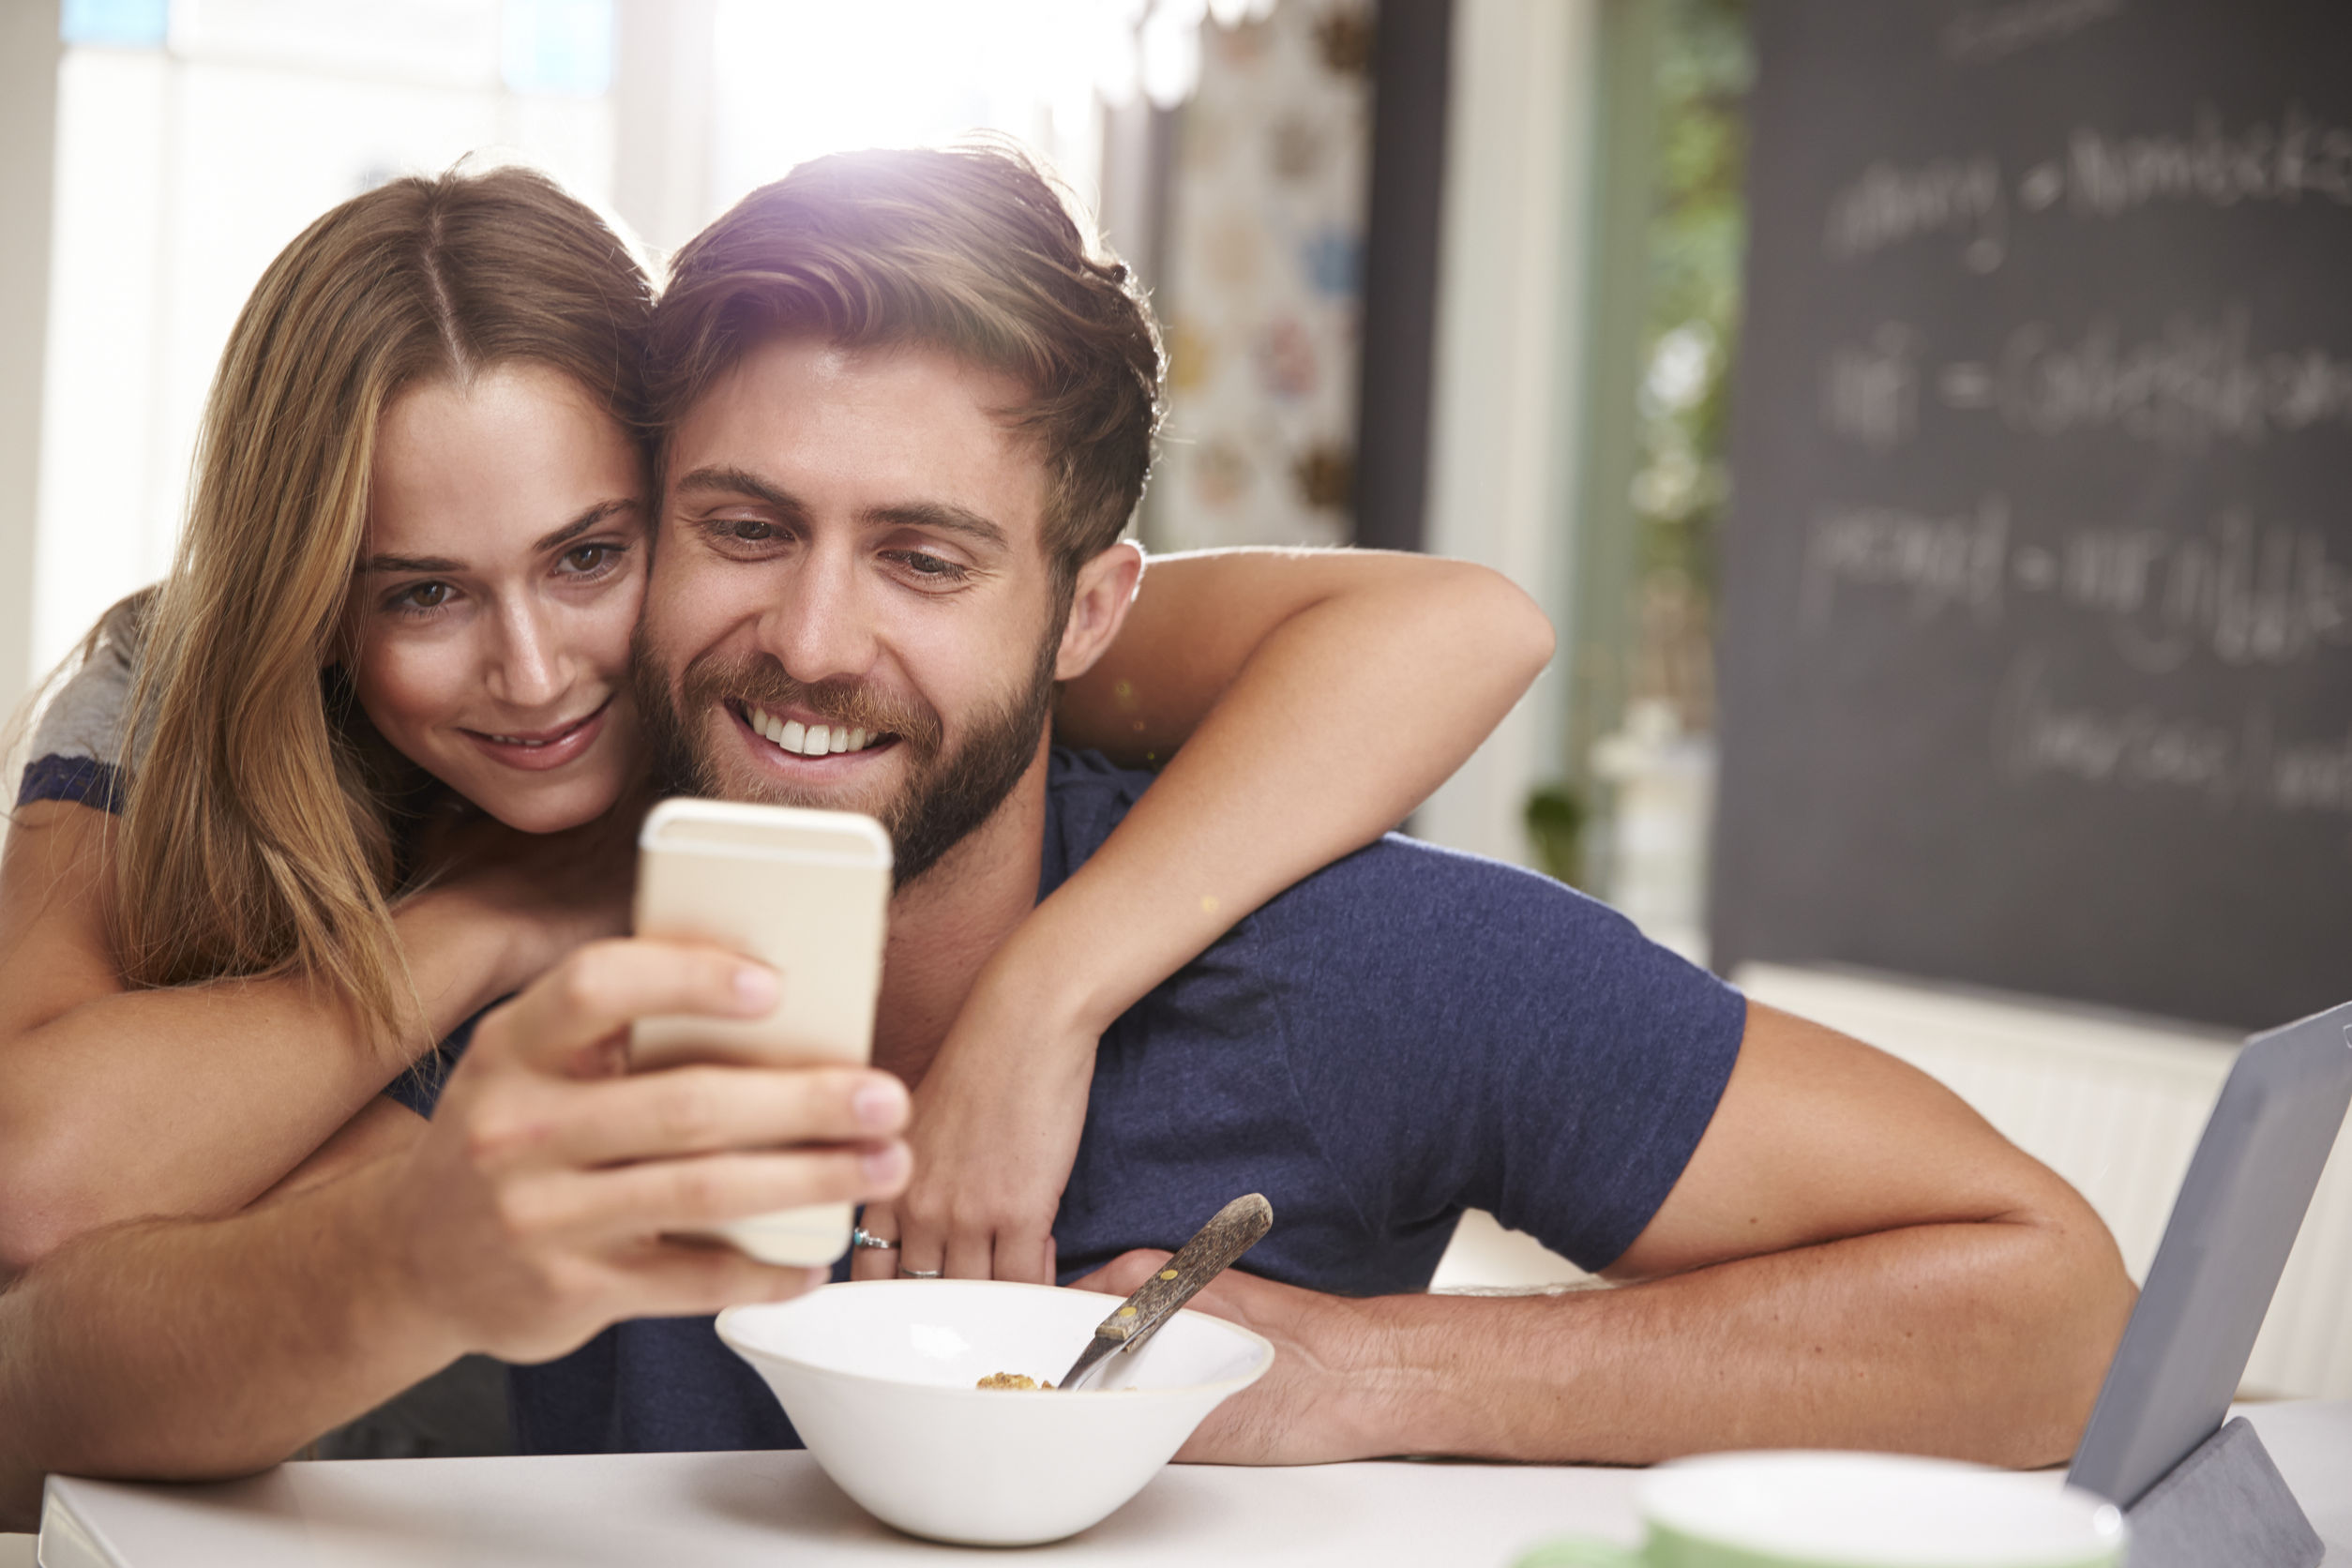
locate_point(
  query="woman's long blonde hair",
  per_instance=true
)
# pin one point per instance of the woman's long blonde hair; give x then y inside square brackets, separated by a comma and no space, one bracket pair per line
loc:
[263,826]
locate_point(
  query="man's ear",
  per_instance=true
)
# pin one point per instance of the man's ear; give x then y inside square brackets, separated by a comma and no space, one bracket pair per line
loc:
[1098,607]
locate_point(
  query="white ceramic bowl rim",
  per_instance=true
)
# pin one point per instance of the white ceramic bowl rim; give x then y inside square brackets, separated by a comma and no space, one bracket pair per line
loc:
[2031,1529]
[1260,1361]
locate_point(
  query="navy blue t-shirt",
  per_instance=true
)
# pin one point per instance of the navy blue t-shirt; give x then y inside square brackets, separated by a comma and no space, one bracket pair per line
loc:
[1405,1034]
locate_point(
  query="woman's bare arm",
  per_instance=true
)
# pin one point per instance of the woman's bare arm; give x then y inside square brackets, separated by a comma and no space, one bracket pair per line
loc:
[119,1103]
[1303,703]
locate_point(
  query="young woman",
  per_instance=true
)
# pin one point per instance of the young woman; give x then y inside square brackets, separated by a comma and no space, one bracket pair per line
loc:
[383,765]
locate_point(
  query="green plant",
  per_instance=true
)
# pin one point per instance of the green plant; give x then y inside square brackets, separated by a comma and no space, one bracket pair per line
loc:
[1555,818]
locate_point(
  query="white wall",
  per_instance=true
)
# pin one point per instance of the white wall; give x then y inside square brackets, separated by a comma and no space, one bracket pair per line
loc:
[662,90]
[1519,151]
[29,77]
[2115,1105]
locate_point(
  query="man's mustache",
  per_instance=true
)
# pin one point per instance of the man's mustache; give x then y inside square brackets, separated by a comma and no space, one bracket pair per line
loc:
[759,681]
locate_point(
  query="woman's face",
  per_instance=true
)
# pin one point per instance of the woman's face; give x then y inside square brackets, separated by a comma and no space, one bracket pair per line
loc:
[497,592]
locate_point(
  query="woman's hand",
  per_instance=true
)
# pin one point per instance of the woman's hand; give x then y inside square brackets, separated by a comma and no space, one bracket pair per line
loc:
[1280,674]
[548,893]
[996,1125]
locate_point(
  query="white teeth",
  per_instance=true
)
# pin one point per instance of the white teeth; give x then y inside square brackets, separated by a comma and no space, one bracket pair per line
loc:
[814,740]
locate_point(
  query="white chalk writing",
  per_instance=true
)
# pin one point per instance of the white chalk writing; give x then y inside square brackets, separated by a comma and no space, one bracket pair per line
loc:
[2242,594]
[2139,747]
[2037,734]
[1887,204]
[2192,385]
[2267,161]
[2284,160]
[2195,384]
[1870,392]
[1977,38]
[2316,776]
[1938,562]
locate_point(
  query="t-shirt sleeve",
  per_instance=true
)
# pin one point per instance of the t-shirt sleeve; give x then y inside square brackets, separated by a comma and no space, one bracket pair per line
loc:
[419,1088]
[77,748]
[1467,1034]
[77,779]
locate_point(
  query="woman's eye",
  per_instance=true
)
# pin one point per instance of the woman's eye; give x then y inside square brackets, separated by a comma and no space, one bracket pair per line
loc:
[421,597]
[581,560]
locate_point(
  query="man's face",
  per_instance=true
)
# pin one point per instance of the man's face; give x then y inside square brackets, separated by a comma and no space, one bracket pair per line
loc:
[850,605]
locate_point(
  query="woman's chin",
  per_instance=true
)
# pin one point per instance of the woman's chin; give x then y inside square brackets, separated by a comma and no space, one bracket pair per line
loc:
[552,808]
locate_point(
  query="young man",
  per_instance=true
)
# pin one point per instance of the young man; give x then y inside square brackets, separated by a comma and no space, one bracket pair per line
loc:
[907,420]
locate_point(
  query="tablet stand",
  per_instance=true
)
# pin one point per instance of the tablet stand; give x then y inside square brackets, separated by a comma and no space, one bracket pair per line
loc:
[2224,1503]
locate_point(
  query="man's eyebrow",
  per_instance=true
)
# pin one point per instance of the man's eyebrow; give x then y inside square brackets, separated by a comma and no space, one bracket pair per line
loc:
[740,481]
[943,515]
[598,513]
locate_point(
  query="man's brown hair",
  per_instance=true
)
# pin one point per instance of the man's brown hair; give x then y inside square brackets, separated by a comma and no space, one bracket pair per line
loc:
[971,250]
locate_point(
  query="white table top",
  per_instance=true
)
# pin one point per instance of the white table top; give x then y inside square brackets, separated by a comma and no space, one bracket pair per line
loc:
[721,1509]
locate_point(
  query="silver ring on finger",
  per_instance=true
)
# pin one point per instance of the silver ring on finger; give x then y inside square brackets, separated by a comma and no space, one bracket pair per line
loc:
[918,1273]
[860,1237]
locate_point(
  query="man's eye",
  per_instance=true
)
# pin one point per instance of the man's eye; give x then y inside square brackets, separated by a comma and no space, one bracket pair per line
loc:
[421,597]
[923,564]
[748,530]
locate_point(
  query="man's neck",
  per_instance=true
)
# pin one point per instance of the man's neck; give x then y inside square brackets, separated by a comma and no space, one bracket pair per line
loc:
[946,924]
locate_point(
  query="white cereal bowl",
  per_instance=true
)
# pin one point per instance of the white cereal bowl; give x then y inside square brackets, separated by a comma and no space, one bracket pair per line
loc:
[877,1376]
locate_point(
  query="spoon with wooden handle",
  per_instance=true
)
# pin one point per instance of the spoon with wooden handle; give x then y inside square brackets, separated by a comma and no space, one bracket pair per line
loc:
[1234,1231]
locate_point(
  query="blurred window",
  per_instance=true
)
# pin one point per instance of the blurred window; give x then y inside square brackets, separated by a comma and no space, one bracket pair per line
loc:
[131,24]
[194,140]
[799,77]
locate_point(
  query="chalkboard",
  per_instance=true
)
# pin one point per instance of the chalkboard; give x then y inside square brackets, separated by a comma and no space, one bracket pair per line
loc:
[2037,625]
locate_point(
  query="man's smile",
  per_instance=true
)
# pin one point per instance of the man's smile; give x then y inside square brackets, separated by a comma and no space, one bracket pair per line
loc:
[805,738]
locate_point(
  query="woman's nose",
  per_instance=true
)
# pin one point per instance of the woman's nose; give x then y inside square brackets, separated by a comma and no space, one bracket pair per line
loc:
[526,670]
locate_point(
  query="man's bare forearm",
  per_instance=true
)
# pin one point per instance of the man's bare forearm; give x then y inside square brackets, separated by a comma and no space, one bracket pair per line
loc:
[1983,1341]
[174,1349]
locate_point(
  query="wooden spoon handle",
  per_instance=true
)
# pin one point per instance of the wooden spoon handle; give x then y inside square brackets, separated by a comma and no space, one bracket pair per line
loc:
[1234,1231]
[1237,1228]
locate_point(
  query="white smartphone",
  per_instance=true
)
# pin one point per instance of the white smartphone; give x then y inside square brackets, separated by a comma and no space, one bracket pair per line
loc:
[806,892]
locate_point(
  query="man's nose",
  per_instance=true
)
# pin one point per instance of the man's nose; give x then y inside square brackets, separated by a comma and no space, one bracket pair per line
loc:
[527,668]
[821,628]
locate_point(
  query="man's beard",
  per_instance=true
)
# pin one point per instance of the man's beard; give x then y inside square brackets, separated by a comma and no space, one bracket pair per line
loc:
[942,799]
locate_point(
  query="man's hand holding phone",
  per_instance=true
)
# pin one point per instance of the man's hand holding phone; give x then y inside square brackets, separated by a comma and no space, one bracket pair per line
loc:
[547,1197]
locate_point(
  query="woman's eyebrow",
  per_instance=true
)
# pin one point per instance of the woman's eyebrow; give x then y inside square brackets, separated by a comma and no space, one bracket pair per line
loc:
[410,564]
[600,512]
